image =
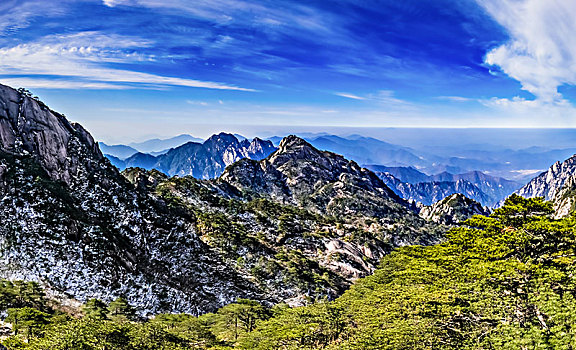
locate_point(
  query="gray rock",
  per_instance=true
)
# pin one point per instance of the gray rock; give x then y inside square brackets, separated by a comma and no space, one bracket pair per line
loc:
[453,210]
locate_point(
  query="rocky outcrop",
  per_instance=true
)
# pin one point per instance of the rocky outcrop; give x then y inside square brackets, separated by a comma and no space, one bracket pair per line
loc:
[453,210]
[549,183]
[557,185]
[28,127]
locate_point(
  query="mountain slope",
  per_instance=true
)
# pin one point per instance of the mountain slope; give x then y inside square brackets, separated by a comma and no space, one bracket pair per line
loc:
[548,183]
[70,220]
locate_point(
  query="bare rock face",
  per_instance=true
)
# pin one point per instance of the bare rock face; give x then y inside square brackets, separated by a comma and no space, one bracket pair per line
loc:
[27,126]
[452,210]
[557,184]
[550,182]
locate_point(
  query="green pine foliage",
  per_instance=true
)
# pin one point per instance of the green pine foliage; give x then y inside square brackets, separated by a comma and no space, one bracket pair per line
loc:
[500,282]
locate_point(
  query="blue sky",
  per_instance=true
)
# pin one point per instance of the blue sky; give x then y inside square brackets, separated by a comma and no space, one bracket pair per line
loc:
[130,69]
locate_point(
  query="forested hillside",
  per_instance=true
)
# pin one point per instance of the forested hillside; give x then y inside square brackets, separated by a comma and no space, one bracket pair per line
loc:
[499,282]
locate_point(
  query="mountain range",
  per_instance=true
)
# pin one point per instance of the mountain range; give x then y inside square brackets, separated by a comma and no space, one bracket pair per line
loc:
[202,160]
[208,160]
[412,184]
[298,225]
[292,225]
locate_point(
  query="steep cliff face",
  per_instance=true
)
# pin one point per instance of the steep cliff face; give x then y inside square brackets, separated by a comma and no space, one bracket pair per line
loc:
[453,209]
[28,127]
[557,185]
[550,182]
[70,220]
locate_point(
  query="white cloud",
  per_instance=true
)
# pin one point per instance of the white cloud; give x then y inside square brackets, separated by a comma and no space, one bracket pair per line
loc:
[541,53]
[81,57]
[113,3]
[275,16]
[15,15]
[350,96]
[456,98]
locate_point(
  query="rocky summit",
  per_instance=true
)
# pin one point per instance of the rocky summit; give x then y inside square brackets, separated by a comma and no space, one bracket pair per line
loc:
[557,184]
[295,226]
[453,210]
[300,174]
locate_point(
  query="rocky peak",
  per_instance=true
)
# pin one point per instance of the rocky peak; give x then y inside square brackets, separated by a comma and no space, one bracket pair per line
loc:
[555,184]
[452,209]
[292,142]
[259,149]
[293,149]
[221,141]
[28,127]
[300,174]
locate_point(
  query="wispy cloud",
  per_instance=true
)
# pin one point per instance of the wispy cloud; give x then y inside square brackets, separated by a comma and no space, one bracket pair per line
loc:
[84,56]
[42,83]
[17,14]
[541,53]
[383,98]
[456,99]
[351,96]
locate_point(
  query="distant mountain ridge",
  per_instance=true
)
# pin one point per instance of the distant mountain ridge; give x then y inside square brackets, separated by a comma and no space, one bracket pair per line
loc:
[427,189]
[158,145]
[153,146]
[201,160]
[209,159]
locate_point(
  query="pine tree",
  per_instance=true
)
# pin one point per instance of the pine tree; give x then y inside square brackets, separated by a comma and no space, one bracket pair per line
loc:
[95,309]
[120,311]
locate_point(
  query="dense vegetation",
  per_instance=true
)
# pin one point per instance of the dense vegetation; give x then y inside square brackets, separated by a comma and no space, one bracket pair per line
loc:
[501,282]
